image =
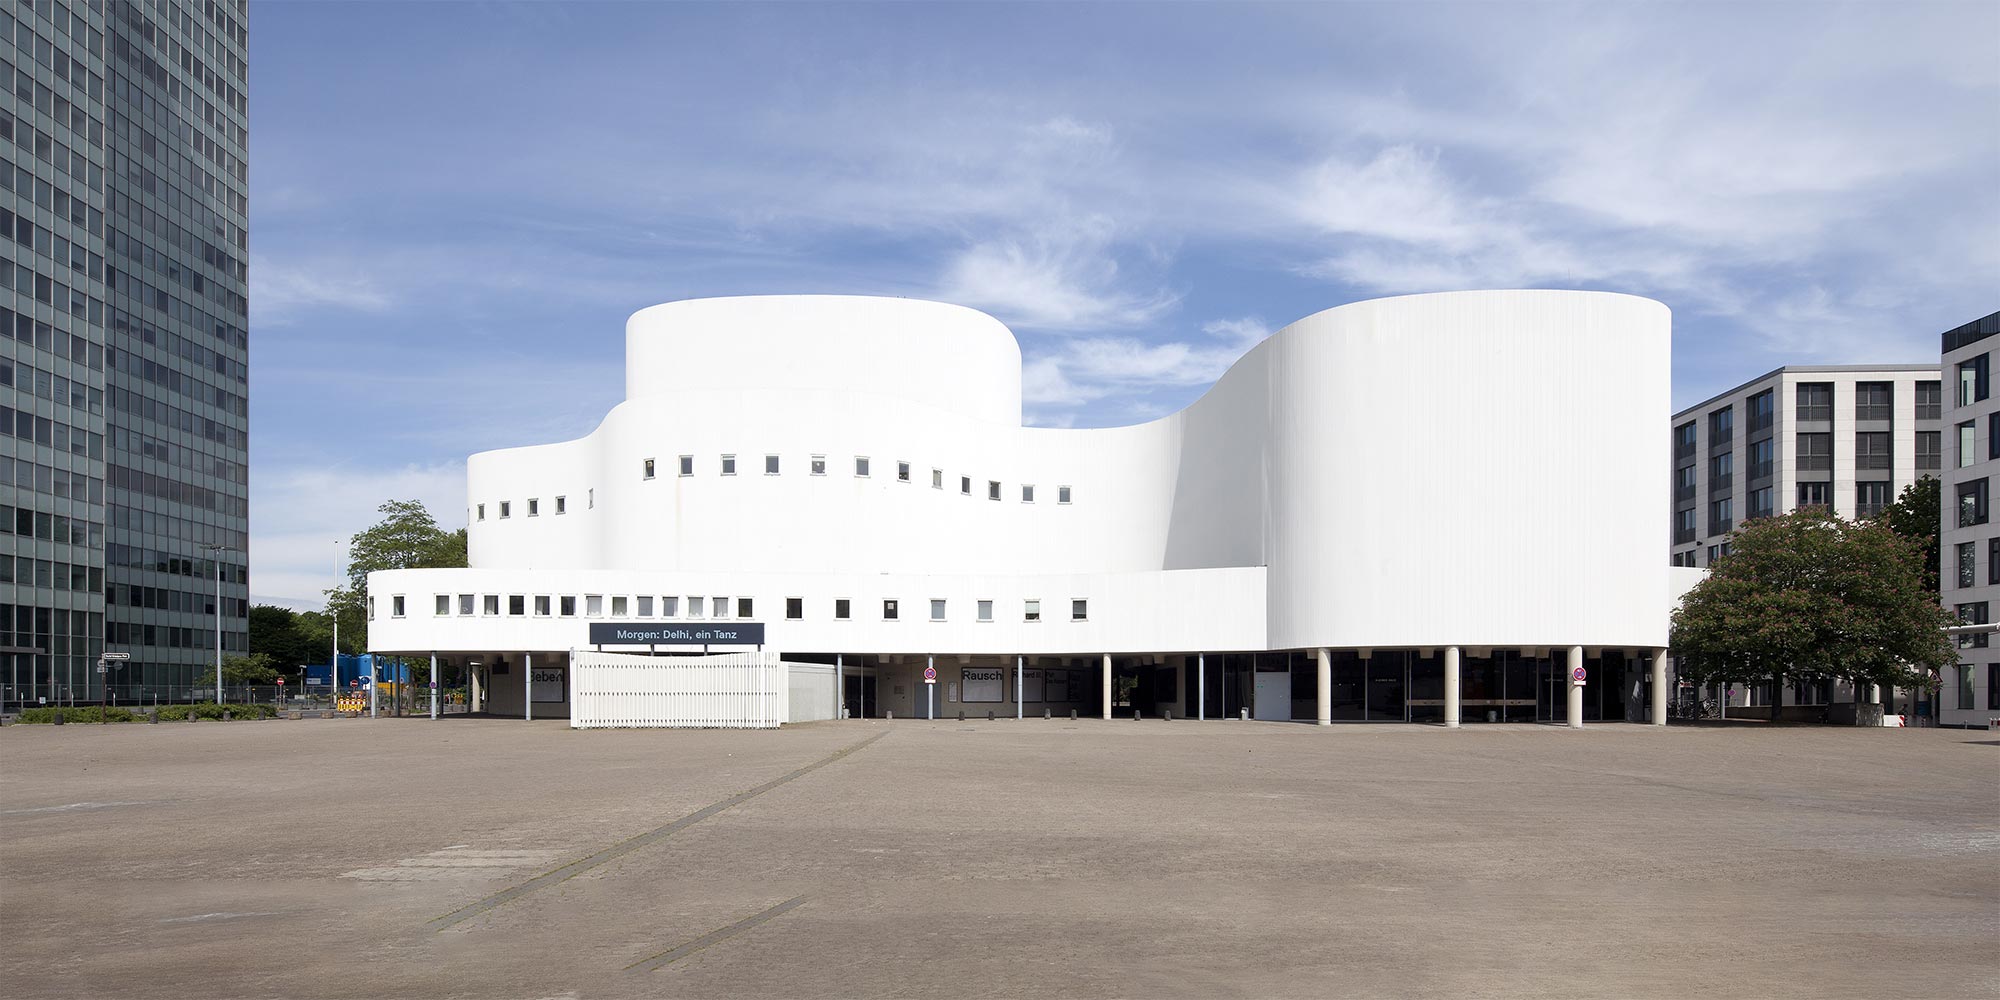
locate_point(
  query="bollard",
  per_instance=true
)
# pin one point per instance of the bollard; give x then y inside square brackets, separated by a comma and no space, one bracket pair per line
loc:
[989,715]
[1170,715]
[961,715]
[1243,714]
[1045,713]
[1135,715]
[153,718]
[225,715]
[59,716]
[891,716]
[1072,715]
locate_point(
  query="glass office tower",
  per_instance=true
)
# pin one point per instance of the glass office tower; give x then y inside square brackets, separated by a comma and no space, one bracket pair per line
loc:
[123,375]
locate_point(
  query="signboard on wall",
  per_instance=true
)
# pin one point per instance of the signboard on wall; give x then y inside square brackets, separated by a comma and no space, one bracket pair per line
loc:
[982,684]
[1031,685]
[549,684]
[1056,686]
[648,634]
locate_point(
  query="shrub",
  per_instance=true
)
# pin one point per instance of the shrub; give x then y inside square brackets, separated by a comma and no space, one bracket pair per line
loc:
[209,710]
[78,714]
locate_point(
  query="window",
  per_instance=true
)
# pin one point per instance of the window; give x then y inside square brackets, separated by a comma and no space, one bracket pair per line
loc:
[1759,410]
[1079,610]
[590,499]
[718,607]
[1965,686]
[1993,560]
[534,508]
[1684,482]
[1930,447]
[1760,458]
[506,509]
[937,479]
[1972,386]
[1968,555]
[1813,495]
[1967,453]
[482,512]
[1972,614]
[371,609]
[1872,400]
[1031,610]
[517,605]
[841,607]
[542,606]
[746,607]
[443,605]
[465,604]
[902,472]
[695,606]
[1720,516]
[1815,452]
[1027,494]
[619,606]
[1870,498]
[1815,401]
[396,606]
[1684,525]
[993,489]
[1871,450]
[861,466]
[1972,503]
[818,465]
[670,607]
[562,505]
[937,610]
[489,604]
[1062,494]
[646,469]
[1760,502]
[889,610]
[965,485]
[593,605]
[1721,472]
[1721,427]
[645,608]
[1993,686]
[1993,435]
[1930,400]
[1684,440]
[729,465]
[770,465]
[567,605]
[687,465]
[986,611]
[795,608]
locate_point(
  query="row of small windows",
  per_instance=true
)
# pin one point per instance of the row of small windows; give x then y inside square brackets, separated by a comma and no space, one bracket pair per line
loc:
[1872,401]
[642,606]
[863,469]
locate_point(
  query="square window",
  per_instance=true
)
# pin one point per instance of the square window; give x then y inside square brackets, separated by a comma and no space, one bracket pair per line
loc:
[482,512]
[694,607]
[937,479]
[645,608]
[562,505]
[670,607]
[534,508]
[993,489]
[647,469]
[729,465]
[396,606]
[964,485]
[443,604]
[541,605]
[1027,494]
[1031,610]
[568,606]
[795,608]
[618,607]
[745,607]
[506,509]
[517,605]
[841,607]
[986,611]
[937,610]
[770,465]
[490,604]
[718,607]
[687,465]
[465,604]
[1062,494]
[902,472]
[1079,610]
[593,605]
[819,465]
[861,466]
[889,610]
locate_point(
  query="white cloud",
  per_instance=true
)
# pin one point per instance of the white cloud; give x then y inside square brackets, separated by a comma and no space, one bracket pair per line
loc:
[1084,370]
[1062,280]
[298,513]
[281,292]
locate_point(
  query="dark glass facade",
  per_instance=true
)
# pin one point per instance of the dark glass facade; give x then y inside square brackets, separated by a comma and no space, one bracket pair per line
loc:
[125,347]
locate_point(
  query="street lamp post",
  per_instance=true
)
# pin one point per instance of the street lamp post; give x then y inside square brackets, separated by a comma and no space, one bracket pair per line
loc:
[215,555]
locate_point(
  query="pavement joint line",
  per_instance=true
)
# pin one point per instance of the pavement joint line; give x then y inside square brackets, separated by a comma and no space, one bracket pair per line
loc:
[627,846]
[675,954]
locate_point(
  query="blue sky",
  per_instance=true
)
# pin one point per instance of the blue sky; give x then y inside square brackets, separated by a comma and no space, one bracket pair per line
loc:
[454,206]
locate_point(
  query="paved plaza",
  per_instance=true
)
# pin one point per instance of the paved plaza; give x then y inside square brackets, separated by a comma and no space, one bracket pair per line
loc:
[502,858]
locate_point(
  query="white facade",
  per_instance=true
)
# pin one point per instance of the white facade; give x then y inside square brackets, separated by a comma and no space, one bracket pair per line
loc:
[1969,561]
[1475,470]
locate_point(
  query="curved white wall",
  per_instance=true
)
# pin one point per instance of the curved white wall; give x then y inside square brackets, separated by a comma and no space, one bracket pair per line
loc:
[1470,468]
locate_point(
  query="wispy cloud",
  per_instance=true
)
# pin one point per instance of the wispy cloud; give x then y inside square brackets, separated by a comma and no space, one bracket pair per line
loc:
[282,292]
[1082,370]
[300,515]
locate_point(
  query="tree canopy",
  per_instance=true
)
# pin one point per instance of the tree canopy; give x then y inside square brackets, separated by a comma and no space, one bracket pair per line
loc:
[407,537]
[1809,595]
[1916,515]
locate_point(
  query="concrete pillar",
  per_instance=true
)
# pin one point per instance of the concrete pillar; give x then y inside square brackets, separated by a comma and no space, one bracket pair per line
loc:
[436,688]
[1107,685]
[528,686]
[1575,689]
[1325,687]
[1201,686]
[1019,663]
[1659,687]
[1451,687]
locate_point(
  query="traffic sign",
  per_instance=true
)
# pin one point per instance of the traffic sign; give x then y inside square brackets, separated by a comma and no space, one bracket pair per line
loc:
[1578,675]
[281,682]
[930,675]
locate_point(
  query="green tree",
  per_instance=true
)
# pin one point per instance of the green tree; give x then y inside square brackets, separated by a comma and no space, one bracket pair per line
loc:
[254,669]
[279,634]
[1915,516]
[1810,596]
[407,537]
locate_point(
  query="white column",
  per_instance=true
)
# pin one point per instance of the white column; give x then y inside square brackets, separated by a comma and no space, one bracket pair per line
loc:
[1575,689]
[1201,686]
[1107,685]
[1325,687]
[1659,687]
[372,683]
[528,686]
[1017,685]
[930,690]
[1451,705]
[839,689]
[435,688]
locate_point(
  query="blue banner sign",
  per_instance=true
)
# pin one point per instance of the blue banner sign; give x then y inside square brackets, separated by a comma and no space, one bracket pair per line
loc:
[652,634]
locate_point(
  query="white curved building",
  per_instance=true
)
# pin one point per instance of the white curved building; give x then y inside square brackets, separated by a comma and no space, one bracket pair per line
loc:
[1374,494]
